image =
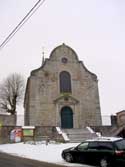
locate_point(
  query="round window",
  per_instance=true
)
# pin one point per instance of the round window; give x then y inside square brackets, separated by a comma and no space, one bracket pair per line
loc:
[64,60]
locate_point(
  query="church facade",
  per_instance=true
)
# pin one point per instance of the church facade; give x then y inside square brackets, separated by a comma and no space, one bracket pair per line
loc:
[62,92]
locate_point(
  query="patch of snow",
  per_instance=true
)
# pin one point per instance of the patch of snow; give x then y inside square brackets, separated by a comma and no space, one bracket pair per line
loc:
[28,127]
[90,129]
[59,130]
[65,137]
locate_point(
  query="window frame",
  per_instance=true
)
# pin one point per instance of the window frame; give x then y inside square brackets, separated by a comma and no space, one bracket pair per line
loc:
[65,82]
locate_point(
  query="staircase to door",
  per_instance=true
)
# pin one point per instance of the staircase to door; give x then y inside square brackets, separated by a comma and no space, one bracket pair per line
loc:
[78,135]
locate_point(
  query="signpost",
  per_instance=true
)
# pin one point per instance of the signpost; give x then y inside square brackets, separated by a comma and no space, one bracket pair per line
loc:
[28,133]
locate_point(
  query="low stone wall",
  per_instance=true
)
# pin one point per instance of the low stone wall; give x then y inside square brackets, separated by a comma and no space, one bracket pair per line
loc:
[104,130]
[41,133]
[5,133]
[44,133]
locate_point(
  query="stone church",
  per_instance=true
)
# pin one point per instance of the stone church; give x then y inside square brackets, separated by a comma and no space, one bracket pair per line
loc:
[62,92]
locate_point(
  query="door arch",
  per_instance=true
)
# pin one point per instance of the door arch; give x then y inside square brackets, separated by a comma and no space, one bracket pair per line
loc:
[66,118]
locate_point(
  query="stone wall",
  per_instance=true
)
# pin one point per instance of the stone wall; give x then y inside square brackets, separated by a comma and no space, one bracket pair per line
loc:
[5,133]
[41,133]
[121,118]
[7,120]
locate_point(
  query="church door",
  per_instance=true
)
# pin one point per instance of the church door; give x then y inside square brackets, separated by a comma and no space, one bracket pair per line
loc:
[66,118]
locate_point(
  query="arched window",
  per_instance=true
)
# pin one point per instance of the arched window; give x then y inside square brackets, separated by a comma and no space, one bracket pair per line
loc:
[65,82]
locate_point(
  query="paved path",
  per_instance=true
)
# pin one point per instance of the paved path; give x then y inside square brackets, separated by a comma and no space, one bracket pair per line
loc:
[7,160]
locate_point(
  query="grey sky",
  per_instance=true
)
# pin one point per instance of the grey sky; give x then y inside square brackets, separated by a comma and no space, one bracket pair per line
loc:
[95,29]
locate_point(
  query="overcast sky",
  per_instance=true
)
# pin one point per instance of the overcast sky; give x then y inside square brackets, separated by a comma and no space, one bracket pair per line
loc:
[95,29]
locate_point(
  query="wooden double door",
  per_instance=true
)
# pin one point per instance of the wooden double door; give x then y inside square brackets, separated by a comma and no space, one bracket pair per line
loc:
[66,118]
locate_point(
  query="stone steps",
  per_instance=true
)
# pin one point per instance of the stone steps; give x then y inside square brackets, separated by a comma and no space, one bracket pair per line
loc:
[79,135]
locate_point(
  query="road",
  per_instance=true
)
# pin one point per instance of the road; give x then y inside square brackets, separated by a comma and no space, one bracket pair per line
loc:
[7,160]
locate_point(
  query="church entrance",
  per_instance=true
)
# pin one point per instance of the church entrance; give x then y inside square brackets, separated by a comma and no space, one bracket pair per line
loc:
[66,118]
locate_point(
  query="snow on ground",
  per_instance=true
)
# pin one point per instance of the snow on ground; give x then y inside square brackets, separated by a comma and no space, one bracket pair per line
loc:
[40,151]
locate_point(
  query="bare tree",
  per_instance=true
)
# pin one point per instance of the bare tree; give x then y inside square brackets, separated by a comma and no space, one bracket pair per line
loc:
[12,92]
